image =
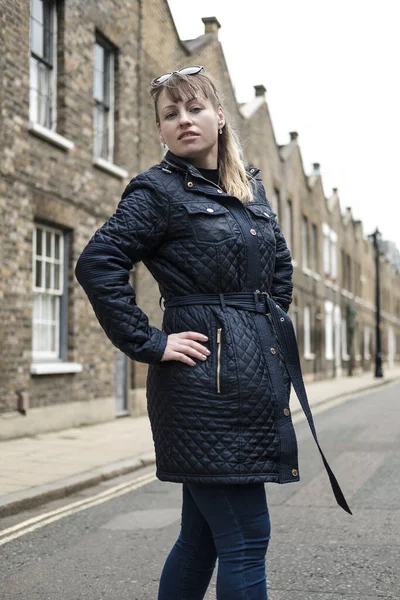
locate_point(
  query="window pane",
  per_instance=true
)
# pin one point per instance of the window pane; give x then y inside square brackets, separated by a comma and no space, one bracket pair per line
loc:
[44,96]
[37,10]
[38,242]
[48,275]
[100,132]
[57,282]
[56,246]
[38,278]
[48,243]
[37,35]
[98,73]
[48,32]
[53,340]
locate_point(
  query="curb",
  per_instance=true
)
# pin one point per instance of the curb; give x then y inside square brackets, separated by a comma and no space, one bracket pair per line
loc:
[33,497]
[13,503]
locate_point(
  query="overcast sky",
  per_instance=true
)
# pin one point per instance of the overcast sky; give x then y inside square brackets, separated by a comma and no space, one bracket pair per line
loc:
[331,69]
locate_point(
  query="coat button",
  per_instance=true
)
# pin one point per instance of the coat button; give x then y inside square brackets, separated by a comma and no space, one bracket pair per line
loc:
[286,412]
[272,350]
[210,210]
[295,472]
[253,232]
[282,319]
[251,170]
[220,192]
[190,183]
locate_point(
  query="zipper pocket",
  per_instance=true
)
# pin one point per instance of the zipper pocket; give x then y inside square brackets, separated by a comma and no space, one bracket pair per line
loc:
[219,335]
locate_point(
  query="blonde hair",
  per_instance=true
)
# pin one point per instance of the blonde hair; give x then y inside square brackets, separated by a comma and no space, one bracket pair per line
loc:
[232,173]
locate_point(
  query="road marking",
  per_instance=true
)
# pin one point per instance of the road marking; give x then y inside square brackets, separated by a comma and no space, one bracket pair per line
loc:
[39,521]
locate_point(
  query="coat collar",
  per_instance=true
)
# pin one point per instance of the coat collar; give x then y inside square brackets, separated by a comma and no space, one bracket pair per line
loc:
[172,160]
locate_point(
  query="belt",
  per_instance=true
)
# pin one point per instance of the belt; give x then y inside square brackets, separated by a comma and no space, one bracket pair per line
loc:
[262,303]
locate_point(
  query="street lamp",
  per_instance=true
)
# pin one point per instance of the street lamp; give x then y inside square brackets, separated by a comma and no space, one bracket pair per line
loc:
[376,237]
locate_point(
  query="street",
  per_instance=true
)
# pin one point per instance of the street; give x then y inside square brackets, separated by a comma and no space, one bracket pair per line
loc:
[112,545]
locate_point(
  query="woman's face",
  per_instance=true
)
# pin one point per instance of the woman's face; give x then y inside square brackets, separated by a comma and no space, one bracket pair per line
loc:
[190,129]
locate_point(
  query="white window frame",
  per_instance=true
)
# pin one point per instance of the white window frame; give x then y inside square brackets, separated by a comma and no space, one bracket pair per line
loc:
[106,104]
[47,294]
[308,355]
[333,240]
[46,118]
[329,354]
[304,242]
[326,238]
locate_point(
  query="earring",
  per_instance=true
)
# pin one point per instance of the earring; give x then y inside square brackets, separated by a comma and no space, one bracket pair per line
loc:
[163,143]
[220,131]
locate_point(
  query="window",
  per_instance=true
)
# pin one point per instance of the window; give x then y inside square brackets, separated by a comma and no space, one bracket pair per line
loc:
[333,239]
[42,96]
[48,288]
[327,261]
[314,248]
[330,250]
[345,355]
[104,101]
[307,334]
[304,242]
[328,330]
[289,225]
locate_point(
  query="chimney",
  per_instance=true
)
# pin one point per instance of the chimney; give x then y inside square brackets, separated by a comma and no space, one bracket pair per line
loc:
[211,25]
[293,136]
[317,168]
[335,190]
[260,90]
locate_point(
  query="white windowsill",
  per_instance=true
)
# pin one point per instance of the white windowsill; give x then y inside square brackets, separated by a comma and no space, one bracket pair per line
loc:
[316,276]
[50,136]
[309,356]
[307,271]
[54,368]
[108,167]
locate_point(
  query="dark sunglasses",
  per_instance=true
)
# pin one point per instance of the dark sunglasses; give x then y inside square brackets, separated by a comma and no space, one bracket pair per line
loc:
[185,71]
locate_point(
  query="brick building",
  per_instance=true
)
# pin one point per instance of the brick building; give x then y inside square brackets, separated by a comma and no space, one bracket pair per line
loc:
[76,125]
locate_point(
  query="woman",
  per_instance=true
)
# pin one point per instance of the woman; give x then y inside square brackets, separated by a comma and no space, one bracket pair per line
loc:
[219,380]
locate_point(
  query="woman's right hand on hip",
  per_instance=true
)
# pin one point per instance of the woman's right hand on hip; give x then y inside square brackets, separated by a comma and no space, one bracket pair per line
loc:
[181,346]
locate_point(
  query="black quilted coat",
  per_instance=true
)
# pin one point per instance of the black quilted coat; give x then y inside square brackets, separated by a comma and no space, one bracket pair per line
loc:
[226,420]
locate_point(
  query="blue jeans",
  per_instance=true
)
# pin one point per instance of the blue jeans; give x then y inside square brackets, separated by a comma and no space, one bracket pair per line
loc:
[230,522]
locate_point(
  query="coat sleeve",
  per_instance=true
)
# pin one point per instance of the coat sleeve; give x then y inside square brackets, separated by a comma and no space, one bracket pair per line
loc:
[282,283]
[133,233]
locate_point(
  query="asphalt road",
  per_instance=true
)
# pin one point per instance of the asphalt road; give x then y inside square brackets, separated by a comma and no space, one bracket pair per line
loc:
[110,542]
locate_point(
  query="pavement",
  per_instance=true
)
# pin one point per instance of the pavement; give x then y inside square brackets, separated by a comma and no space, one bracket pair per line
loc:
[44,467]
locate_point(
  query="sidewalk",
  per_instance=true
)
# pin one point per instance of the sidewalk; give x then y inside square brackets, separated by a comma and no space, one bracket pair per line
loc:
[52,465]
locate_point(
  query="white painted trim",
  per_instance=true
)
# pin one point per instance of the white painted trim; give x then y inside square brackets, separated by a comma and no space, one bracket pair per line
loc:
[307,271]
[294,263]
[54,368]
[309,356]
[105,165]
[347,294]
[316,276]
[50,136]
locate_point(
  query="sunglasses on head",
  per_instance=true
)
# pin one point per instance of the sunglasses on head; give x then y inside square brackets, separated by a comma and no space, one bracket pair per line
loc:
[185,71]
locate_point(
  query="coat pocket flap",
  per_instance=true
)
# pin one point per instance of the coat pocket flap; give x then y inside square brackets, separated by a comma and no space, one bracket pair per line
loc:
[260,210]
[206,208]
